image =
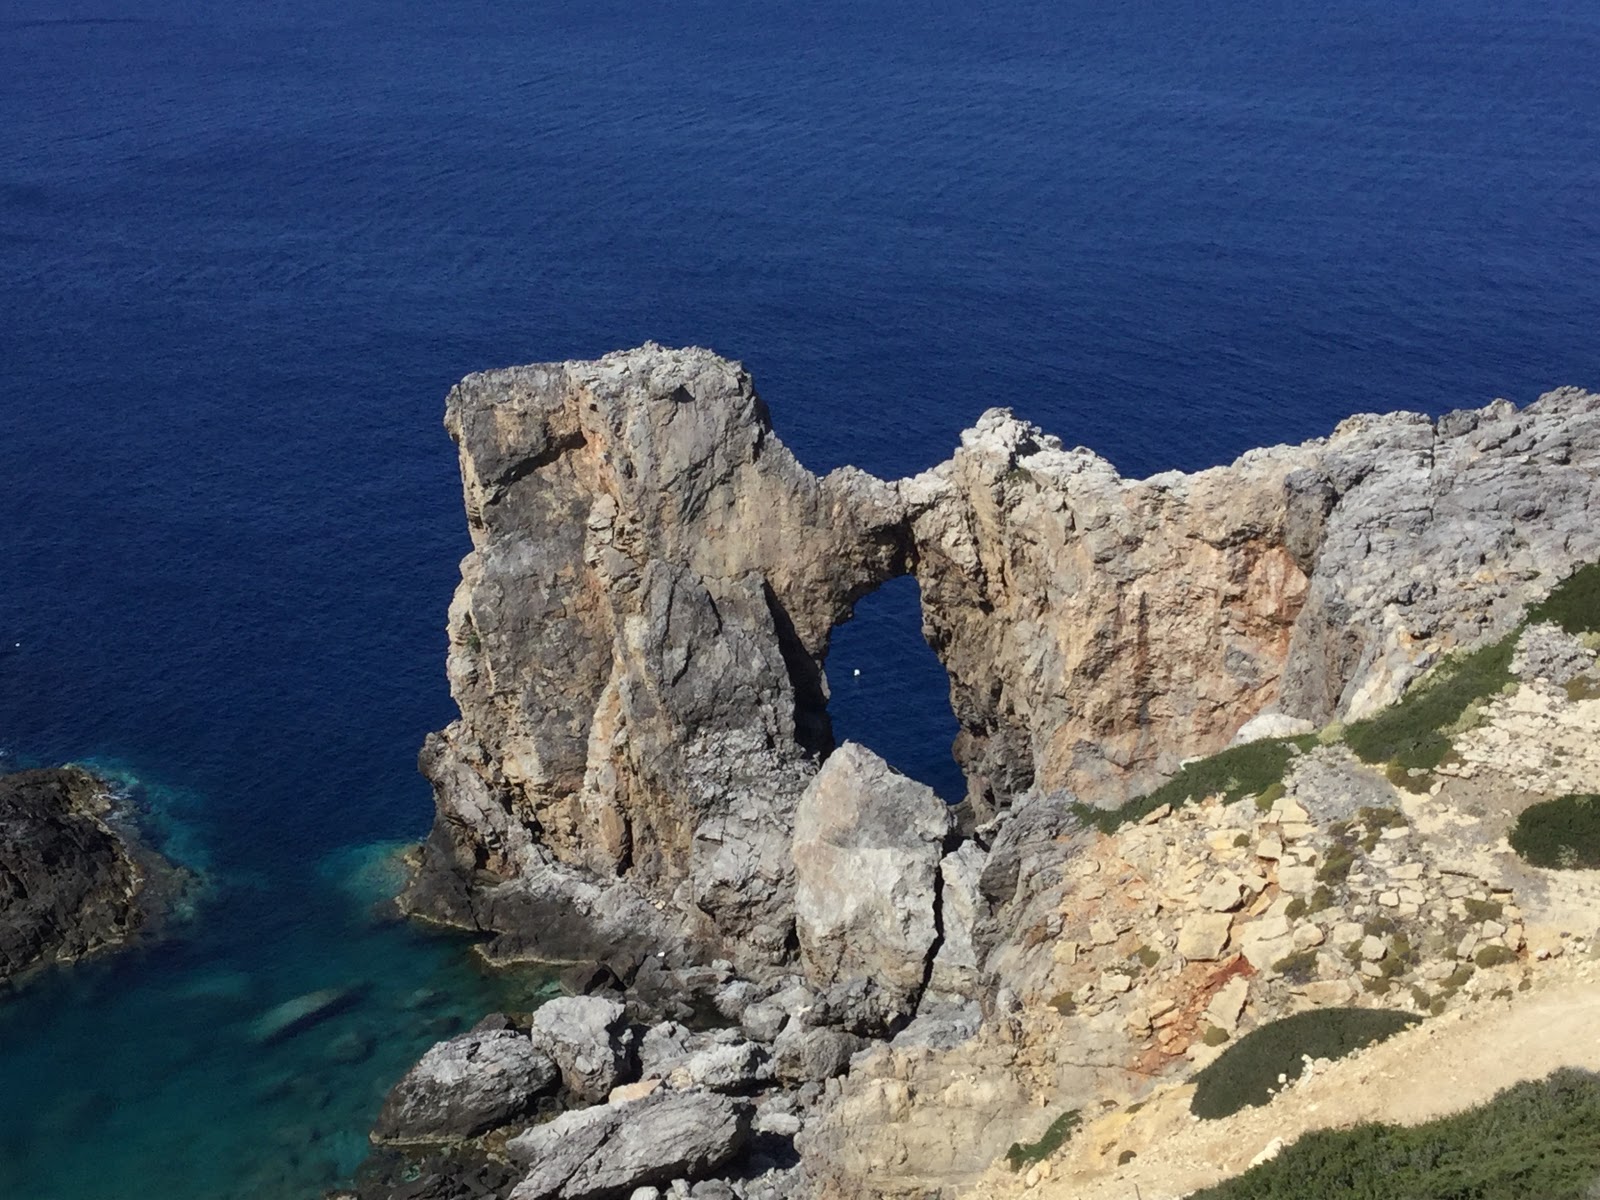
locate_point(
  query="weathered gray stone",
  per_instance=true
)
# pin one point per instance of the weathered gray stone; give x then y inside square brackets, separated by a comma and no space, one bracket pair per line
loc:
[588,1039]
[589,1154]
[636,650]
[467,1086]
[867,847]
[956,965]
[803,1054]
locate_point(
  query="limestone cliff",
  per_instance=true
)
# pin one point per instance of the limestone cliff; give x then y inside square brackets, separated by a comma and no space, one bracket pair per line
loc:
[643,773]
[637,648]
[638,641]
[1098,630]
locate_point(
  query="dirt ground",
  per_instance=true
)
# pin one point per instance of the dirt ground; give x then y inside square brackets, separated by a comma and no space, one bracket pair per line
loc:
[1453,1062]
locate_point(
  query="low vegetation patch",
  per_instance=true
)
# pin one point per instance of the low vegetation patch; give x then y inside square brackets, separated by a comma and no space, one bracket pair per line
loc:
[1235,773]
[1537,1139]
[1574,604]
[1025,1154]
[1562,833]
[1246,1074]
[1414,734]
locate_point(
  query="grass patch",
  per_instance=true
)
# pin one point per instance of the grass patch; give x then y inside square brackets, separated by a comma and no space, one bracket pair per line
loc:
[1574,604]
[1214,1035]
[1024,1154]
[1537,1139]
[1336,864]
[1563,834]
[1147,956]
[1235,773]
[1413,734]
[1246,1074]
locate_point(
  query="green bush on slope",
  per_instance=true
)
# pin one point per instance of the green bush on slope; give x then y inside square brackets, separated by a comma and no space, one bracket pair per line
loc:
[1235,773]
[1561,833]
[1023,1154]
[1414,732]
[1574,604]
[1246,1074]
[1536,1141]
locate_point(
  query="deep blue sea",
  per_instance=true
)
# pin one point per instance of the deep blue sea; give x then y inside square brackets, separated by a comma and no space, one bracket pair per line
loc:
[248,247]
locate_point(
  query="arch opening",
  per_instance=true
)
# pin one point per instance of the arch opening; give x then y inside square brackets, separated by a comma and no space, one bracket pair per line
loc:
[890,692]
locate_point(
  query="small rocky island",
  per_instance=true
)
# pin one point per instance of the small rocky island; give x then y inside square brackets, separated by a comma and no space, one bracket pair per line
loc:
[71,883]
[796,972]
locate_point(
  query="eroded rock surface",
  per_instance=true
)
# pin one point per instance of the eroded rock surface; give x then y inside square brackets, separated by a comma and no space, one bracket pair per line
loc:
[867,846]
[636,650]
[466,1086]
[69,884]
[641,775]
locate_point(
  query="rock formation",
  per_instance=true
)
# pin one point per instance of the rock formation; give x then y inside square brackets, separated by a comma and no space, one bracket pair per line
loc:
[70,884]
[637,648]
[638,641]
[643,774]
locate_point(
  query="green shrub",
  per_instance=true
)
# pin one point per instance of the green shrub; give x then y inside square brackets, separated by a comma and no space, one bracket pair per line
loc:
[1336,864]
[1562,833]
[1484,910]
[1574,604]
[1235,773]
[1246,1074]
[1273,793]
[1494,956]
[1536,1141]
[1214,1035]
[1584,687]
[1296,908]
[1064,1004]
[1299,967]
[1024,1154]
[1412,733]
[1147,956]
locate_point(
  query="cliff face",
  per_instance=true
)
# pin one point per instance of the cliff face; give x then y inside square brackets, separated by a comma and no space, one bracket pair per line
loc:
[638,638]
[638,641]
[1099,630]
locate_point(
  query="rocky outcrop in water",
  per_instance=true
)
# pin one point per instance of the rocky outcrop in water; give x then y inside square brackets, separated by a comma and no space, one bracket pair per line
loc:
[70,884]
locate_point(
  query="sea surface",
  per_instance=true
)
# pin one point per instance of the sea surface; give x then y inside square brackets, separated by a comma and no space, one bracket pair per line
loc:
[248,247]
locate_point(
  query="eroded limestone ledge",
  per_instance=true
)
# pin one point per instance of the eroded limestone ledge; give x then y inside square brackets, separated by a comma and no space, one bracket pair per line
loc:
[638,640]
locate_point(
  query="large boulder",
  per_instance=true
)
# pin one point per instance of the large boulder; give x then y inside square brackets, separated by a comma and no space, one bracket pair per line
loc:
[467,1086]
[867,847]
[589,1040]
[606,1151]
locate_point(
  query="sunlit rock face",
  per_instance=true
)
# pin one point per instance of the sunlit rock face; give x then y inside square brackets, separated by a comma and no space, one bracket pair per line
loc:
[638,640]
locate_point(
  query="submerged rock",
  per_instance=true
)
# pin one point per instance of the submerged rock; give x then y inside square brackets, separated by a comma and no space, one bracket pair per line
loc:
[301,1013]
[467,1086]
[70,884]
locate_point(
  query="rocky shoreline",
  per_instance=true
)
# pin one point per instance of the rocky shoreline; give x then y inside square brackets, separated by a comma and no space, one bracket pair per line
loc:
[805,974]
[73,881]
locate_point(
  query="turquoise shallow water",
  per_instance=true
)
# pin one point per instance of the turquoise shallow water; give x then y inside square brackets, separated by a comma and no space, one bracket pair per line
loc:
[152,1073]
